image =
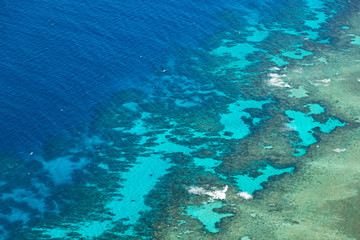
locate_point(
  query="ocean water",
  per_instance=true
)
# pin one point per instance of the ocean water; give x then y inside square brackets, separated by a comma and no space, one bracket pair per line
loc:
[168,119]
[77,54]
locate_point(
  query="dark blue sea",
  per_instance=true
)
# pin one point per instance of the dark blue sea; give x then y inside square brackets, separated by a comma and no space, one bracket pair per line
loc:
[141,119]
[59,59]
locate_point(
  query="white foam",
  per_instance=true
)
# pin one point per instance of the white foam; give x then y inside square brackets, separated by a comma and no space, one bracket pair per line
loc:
[326,80]
[275,75]
[245,195]
[339,150]
[274,69]
[277,80]
[214,195]
[323,82]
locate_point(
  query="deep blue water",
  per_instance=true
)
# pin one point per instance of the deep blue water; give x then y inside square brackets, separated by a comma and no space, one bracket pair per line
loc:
[59,58]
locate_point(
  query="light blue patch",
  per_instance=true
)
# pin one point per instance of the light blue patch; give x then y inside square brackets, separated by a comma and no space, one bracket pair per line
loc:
[279,61]
[239,52]
[26,197]
[316,24]
[16,215]
[233,122]
[298,92]
[207,163]
[315,4]
[268,147]
[323,60]
[248,184]
[315,108]
[87,230]
[164,144]
[320,17]
[256,121]
[133,106]
[297,53]
[307,64]
[327,40]
[128,202]
[313,35]
[139,127]
[147,171]
[304,124]
[355,40]
[206,215]
[103,166]
[258,36]
[185,104]
[61,168]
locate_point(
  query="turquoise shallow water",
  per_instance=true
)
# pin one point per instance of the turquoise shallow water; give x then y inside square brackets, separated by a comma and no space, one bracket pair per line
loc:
[210,121]
[233,121]
[207,216]
[251,184]
[304,125]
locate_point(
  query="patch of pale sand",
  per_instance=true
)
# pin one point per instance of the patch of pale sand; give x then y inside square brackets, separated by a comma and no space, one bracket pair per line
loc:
[300,206]
[332,181]
[341,93]
[306,208]
[307,205]
[310,232]
[344,93]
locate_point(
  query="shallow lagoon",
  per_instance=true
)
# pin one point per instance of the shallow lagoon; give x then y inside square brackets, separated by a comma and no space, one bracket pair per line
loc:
[304,125]
[207,216]
[250,185]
